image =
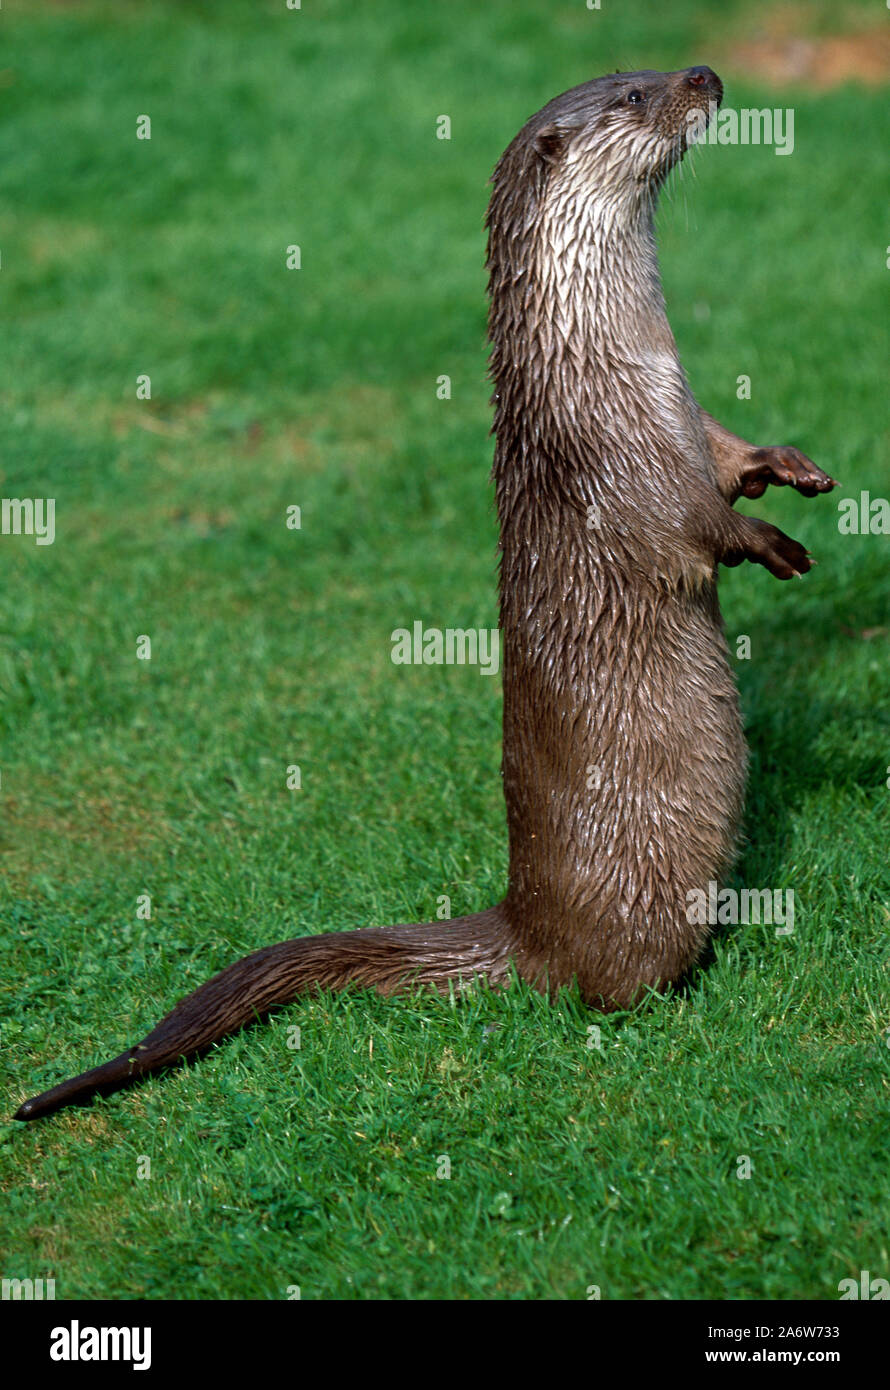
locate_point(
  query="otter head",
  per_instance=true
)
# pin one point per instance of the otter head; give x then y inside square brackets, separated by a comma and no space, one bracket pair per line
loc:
[607,144]
[571,254]
[618,136]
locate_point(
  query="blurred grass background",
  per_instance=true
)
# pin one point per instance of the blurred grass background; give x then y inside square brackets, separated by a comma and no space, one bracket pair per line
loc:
[570,1166]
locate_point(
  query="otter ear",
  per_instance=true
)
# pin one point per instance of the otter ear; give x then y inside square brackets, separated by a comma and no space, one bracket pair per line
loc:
[550,142]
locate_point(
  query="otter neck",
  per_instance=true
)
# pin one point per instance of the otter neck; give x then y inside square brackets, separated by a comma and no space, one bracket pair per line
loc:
[592,405]
[599,290]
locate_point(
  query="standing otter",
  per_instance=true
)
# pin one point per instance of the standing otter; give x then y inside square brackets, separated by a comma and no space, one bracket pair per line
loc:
[623,759]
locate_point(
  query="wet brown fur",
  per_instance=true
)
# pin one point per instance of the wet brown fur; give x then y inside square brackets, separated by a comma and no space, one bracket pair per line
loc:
[623,754]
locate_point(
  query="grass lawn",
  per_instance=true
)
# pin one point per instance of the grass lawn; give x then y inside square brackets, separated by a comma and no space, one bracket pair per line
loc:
[571,1165]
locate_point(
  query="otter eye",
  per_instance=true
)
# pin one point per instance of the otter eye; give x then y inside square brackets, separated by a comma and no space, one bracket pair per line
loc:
[635,97]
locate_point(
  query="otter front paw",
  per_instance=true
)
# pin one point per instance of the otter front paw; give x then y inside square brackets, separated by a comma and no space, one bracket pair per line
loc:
[766,545]
[783,466]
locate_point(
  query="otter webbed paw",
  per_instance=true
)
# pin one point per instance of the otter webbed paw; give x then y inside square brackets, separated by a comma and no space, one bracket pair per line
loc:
[764,544]
[783,466]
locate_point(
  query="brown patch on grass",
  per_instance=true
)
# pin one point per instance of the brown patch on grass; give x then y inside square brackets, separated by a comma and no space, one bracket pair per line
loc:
[49,1240]
[361,411]
[40,837]
[357,419]
[57,242]
[784,51]
[202,522]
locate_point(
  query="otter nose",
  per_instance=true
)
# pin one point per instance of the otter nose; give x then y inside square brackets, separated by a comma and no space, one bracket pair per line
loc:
[705,77]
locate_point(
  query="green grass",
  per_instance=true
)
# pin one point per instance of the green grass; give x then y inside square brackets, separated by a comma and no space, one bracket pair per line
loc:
[570,1165]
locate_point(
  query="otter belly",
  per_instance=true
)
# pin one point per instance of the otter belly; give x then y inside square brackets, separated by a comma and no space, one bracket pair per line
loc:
[620,802]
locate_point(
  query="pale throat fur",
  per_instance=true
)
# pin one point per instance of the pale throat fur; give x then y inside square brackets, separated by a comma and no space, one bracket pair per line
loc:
[595,362]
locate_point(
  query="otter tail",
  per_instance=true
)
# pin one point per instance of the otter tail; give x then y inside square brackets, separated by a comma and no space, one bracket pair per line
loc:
[388,959]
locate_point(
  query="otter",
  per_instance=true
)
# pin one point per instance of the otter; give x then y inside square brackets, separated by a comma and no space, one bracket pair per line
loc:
[624,761]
